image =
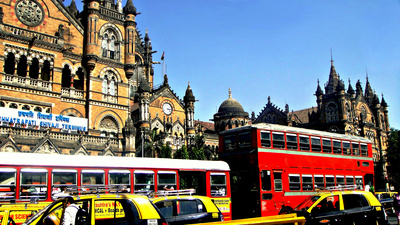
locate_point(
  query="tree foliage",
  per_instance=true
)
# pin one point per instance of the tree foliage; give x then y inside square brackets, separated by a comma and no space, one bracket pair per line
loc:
[165,151]
[393,158]
[181,153]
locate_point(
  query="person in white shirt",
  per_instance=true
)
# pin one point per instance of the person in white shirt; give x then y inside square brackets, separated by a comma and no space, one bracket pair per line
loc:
[70,212]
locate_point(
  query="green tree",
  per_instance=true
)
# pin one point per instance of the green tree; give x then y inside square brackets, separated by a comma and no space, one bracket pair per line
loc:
[165,151]
[197,150]
[181,153]
[151,144]
[393,158]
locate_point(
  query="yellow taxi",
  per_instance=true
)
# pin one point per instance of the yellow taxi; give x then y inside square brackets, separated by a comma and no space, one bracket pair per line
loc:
[101,209]
[181,207]
[342,205]
[386,199]
[17,214]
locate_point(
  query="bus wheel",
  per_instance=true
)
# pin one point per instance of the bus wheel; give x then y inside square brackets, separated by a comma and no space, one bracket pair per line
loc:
[285,210]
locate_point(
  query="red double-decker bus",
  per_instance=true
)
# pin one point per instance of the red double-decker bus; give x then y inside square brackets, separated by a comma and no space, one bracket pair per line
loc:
[275,167]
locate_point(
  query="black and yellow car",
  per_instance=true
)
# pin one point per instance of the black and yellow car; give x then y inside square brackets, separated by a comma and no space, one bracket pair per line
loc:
[17,214]
[342,207]
[188,209]
[102,209]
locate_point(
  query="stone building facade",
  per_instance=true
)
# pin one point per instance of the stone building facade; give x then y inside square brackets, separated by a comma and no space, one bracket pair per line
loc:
[340,110]
[82,82]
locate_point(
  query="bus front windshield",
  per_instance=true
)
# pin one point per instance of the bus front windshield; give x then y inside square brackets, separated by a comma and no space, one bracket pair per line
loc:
[307,203]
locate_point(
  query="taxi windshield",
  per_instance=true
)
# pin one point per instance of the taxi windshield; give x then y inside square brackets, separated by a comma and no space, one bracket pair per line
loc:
[307,203]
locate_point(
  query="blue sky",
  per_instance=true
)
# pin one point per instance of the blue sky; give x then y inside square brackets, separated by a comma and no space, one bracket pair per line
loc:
[262,48]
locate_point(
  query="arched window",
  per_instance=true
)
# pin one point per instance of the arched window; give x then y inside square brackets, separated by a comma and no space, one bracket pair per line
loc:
[26,107]
[22,66]
[331,112]
[34,69]
[9,65]
[108,127]
[110,84]
[13,106]
[46,70]
[79,79]
[110,45]
[66,77]
[38,109]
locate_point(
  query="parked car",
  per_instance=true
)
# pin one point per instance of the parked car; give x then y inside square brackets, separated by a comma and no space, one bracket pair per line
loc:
[17,214]
[102,209]
[386,199]
[187,209]
[341,206]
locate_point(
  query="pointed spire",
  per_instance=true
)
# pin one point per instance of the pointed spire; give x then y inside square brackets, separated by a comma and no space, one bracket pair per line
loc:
[368,90]
[359,90]
[73,9]
[189,97]
[333,79]
[129,8]
[383,102]
[230,93]
[340,86]
[319,91]
[350,90]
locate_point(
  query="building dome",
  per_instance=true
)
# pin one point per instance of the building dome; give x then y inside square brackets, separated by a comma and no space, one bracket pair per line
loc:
[231,107]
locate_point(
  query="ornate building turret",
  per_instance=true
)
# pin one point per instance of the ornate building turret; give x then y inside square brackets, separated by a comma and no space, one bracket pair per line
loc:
[92,24]
[189,101]
[130,38]
[350,90]
[129,132]
[319,94]
[369,94]
[333,81]
[144,91]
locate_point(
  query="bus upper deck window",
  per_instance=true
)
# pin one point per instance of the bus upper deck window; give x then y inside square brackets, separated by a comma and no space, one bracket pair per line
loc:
[218,184]
[291,141]
[304,143]
[62,180]
[349,180]
[337,147]
[166,180]
[7,183]
[364,150]
[244,140]
[340,180]
[356,148]
[316,144]
[265,139]
[229,142]
[346,148]
[329,180]
[120,180]
[33,183]
[326,145]
[144,181]
[278,140]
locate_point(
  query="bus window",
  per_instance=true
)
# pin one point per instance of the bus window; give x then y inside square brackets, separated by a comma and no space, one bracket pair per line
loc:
[265,139]
[121,179]
[304,143]
[7,183]
[266,180]
[218,184]
[359,183]
[356,148]
[316,144]
[319,181]
[61,180]
[278,181]
[307,183]
[337,147]
[244,140]
[166,180]
[346,148]
[340,180]
[294,182]
[326,145]
[92,178]
[229,143]
[278,140]
[291,141]
[144,181]
[364,150]
[329,180]
[33,183]
[349,180]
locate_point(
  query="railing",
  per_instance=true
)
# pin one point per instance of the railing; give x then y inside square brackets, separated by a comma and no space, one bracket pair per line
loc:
[30,34]
[111,13]
[71,92]
[110,98]
[27,82]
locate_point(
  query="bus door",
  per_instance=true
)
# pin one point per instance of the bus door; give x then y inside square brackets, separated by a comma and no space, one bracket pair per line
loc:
[271,186]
